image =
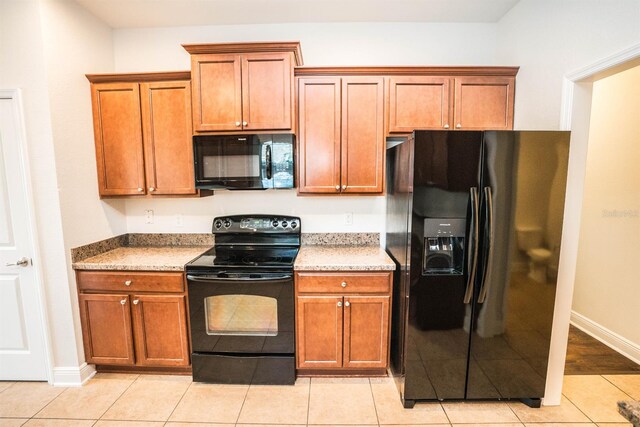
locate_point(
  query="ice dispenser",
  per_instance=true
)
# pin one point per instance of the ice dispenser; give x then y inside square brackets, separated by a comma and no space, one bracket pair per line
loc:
[443,246]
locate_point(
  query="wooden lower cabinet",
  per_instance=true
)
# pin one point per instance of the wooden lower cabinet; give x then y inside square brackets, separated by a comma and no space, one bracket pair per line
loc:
[133,329]
[344,332]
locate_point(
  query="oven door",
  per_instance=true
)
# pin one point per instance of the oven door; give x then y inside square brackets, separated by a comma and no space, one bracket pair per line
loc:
[243,162]
[242,313]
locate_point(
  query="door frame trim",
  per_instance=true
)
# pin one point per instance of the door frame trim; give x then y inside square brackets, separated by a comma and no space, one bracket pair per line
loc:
[575,115]
[15,97]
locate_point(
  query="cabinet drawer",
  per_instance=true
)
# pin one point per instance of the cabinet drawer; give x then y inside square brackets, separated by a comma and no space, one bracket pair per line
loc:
[123,281]
[343,282]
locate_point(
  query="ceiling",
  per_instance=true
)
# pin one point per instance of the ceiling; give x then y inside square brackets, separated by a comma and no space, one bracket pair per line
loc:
[170,13]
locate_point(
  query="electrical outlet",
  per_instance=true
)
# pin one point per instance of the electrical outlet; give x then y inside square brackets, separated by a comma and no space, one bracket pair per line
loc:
[348,218]
[179,220]
[148,216]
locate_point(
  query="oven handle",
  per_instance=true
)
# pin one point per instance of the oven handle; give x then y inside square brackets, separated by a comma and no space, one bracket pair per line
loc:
[236,279]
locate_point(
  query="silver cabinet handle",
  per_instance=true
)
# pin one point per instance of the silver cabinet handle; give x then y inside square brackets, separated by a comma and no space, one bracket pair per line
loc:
[140,189]
[458,126]
[338,187]
[244,123]
[339,303]
[136,301]
[152,189]
[22,262]
[344,187]
[446,126]
[127,282]
[347,303]
[343,284]
[123,301]
[237,123]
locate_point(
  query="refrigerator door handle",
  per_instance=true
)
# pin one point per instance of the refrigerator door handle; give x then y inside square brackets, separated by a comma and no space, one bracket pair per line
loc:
[484,289]
[472,246]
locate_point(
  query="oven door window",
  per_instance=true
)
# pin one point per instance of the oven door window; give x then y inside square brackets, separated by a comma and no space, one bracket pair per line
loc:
[247,315]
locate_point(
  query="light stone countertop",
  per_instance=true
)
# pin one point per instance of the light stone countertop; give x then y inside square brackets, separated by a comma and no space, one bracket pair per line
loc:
[342,258]
[165,258]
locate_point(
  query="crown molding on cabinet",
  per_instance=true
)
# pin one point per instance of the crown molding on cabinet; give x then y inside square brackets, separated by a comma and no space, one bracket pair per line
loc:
[406,71]
[252,47]
[139,77]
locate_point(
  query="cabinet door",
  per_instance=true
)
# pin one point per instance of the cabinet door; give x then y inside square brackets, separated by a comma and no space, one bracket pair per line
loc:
[362,135]
[319,135]
[160,325]
[319,332]
[484,103]
[106,329]
[166,113]
[267,88]
[217,92]
[118,137]
[418,103]
[366,332]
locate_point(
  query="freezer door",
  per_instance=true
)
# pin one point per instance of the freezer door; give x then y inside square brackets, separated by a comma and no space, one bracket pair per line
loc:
[522,206]
[443,228]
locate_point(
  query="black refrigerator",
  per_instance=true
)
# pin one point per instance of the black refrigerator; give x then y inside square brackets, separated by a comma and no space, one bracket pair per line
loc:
[474,224]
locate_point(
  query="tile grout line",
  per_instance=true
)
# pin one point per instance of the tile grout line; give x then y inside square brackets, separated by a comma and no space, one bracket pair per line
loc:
[578,408]
[117,398]
[48,403]
[242,406]
[445,413]
[613,384]
[375,408]
[308,402]
[178,403]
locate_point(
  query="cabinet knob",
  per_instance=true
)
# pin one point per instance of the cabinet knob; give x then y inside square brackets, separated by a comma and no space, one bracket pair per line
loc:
[127,282]
[244,123]
[338,187]
[458,126]
[140,189]
[152,189]
[446,126]
[343,284]
[344,187]
[339,303]
[346,303]
[237,123]
[136,301]
[123,301]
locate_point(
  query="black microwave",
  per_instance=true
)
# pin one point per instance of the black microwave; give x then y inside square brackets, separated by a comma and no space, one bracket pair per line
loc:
[244,162]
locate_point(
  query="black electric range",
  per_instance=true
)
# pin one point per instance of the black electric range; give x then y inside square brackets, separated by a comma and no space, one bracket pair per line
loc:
[241,301]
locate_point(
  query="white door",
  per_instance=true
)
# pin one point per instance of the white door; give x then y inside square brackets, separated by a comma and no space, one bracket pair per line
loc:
[22,345]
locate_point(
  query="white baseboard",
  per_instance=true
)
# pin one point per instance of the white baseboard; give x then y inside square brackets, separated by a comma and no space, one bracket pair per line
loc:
[73,376]
[607,337]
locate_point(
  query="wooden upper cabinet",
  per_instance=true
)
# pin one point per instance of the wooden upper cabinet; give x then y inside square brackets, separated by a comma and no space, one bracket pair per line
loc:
[484,103]
[319,113]
[319,332]
[160,325]
[366,331]
[363,140]
[267,88]
[217,92]
[166,113]
[106,329]
[118,138]
[243,86]
[420,102]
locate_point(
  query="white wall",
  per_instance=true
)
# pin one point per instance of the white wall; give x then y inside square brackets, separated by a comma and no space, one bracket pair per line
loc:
[606,288]
[550,38]
[322,44]
[74,43]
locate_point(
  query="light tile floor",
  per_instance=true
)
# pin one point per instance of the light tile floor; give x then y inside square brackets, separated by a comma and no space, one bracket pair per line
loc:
[110,400]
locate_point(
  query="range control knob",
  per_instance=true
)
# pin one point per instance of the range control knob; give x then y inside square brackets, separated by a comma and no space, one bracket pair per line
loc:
[227,223]
[217,224]
[274,223]
[284,224]
[294,224]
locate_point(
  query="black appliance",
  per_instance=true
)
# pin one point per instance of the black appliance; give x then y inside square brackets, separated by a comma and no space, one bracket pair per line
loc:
[244,162]
[468,321]
[241,302]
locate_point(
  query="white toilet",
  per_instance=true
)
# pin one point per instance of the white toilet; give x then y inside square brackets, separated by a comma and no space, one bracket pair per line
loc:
[530,242]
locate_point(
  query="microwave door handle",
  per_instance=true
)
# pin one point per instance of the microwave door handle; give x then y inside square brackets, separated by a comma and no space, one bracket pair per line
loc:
[268,161]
